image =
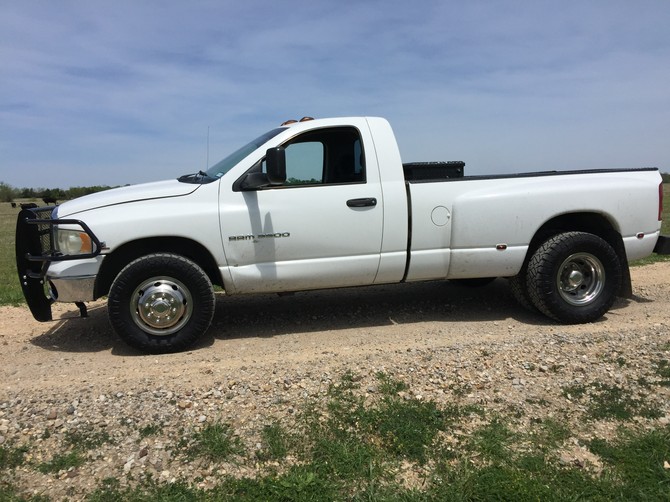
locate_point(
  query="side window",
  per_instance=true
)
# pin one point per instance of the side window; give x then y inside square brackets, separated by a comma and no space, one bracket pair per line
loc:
[325,157]
[304,163]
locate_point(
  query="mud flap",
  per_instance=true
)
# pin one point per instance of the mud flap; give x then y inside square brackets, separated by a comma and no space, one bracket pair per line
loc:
[662,245]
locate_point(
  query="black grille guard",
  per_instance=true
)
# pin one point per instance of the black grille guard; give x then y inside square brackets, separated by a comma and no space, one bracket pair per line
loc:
[35,250]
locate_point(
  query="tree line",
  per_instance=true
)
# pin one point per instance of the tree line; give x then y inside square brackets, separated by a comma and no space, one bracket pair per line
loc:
[10,194]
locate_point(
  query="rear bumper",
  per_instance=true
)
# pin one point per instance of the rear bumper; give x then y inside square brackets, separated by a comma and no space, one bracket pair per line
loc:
[662,245]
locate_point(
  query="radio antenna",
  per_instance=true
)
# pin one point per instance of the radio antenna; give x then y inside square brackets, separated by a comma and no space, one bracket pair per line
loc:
[207,161]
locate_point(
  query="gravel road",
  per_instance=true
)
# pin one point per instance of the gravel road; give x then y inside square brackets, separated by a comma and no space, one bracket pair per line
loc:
[266,356]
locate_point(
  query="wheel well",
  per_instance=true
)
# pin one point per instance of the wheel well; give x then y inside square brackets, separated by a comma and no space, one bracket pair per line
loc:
[592,223]
[114,262]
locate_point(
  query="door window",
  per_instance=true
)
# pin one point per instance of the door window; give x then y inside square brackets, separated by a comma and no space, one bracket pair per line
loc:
[325,157]
[304,163]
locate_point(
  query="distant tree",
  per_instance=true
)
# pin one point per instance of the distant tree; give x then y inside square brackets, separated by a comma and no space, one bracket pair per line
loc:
[6,192]
[55,193]
[28,193]
[74,192]
[666,177]
[296,181]
[9,194]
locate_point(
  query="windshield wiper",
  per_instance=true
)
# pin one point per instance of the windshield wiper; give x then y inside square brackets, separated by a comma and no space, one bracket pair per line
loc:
[199,177]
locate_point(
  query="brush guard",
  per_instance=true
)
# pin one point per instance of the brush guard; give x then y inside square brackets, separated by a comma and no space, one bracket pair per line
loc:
[35,250]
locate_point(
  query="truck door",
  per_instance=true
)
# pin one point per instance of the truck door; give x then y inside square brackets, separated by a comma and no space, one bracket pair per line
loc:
[321,229]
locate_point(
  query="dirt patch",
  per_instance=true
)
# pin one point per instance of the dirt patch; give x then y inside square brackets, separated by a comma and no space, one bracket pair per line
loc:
[318,328]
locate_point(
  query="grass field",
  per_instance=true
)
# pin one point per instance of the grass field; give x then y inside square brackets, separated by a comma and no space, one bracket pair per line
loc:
[10,290]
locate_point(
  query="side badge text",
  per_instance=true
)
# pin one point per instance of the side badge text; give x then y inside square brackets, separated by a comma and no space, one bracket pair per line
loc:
[251,237]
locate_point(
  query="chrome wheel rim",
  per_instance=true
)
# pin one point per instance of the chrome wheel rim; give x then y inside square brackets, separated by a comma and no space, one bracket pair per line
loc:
[580,279]
[161,305]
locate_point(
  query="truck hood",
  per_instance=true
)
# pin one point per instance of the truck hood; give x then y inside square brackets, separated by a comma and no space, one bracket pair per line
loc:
[132,193]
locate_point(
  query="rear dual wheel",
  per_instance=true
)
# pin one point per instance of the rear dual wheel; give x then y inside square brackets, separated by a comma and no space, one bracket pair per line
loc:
[573,277]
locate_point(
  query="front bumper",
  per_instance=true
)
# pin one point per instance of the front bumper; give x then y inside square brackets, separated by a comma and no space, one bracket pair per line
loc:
[35,251]
[72,289]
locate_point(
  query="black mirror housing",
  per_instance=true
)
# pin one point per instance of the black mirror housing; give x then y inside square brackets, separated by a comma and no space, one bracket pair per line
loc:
[252,181]
[275,161]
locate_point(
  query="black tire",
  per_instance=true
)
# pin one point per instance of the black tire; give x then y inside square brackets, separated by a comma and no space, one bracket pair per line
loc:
[574,277]
[161,303]
[519,288]
[475,282]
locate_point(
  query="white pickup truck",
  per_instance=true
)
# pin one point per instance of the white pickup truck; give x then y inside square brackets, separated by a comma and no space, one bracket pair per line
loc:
[327,204]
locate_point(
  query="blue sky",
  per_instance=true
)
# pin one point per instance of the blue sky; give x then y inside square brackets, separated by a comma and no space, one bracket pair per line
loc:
[115,92]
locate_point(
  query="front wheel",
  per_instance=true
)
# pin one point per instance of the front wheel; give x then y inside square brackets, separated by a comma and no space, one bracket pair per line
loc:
[574,277]
[161,303]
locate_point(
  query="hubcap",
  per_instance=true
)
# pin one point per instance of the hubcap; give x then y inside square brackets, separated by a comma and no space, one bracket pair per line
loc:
[161,305]
[580,278]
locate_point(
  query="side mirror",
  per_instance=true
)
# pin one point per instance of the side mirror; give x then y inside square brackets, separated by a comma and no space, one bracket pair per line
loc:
[275,161]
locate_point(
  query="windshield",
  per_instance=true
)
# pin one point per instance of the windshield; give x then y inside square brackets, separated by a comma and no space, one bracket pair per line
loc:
[225,165]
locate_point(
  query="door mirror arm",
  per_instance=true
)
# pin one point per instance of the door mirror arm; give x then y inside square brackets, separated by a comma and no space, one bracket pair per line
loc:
[253,181]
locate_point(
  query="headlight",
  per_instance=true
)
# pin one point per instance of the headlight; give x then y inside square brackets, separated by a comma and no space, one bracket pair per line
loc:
[73,242]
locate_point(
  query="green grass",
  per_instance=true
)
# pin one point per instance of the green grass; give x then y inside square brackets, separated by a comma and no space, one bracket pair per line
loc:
[276,442]
[552,433]
[492,441]
[11,457]
[636,464]
[604,401]
[61,462]
[9,494]
[216,442]
[10,290]
[84,441]
[405,429]
[149,430]
[388,385]
[78,444]
[662,370]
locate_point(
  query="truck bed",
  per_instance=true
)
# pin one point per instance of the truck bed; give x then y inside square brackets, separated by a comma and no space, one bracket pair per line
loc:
[454,170]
